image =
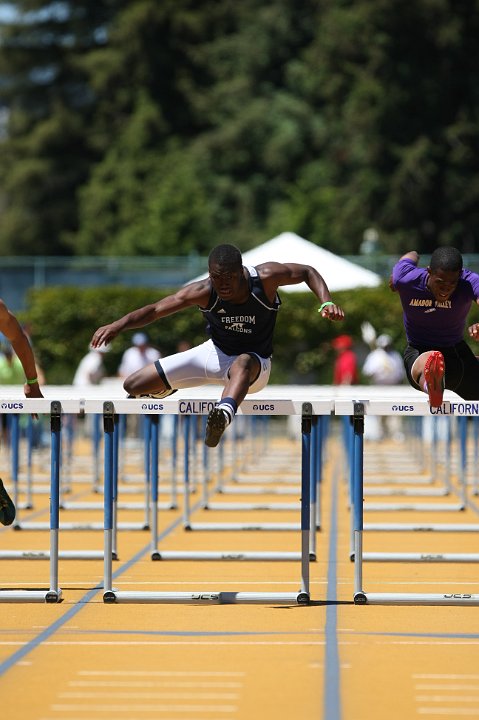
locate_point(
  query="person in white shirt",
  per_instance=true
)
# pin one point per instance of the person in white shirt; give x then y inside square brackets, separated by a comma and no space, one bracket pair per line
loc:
[138,356]
[385,366]
[90,370]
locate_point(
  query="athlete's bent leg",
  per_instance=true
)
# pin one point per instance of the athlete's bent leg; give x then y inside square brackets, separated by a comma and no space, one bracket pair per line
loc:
[243,372]
[150,380]
[428,372]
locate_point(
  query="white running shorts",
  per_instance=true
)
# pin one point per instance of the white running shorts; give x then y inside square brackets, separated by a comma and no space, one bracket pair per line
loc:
[206,364]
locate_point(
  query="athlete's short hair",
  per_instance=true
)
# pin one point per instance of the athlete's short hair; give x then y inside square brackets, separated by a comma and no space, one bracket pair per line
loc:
[226,256]
[446,258]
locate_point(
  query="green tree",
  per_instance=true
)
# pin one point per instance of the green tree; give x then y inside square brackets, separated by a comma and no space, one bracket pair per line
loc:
[396,91]
[156,127]
[46,153]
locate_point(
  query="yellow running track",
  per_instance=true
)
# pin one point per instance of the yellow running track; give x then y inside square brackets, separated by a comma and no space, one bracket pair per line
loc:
[330,660]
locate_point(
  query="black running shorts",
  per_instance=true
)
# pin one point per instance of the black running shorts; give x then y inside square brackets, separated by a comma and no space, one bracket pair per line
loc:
[462,368]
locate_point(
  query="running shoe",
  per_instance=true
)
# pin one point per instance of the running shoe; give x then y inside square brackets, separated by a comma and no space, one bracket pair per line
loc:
[434,376]
[7,508]
[160,395]
[157,396]
[215,427]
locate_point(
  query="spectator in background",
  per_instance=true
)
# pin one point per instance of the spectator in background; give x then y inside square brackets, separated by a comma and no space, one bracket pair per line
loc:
[91,369]
[345,371]
[138,356]
[384,365]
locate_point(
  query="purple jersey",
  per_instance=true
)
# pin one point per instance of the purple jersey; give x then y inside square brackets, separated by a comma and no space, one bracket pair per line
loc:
[427,321]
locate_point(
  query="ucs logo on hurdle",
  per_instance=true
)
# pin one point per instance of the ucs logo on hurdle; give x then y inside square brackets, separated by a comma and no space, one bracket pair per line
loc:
[11,406]
[152,406]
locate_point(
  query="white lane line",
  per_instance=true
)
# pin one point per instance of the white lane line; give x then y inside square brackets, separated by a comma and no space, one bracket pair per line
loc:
[148,695]
[447,686]
[447,698]
[170,583]
[206,641]
[145,708]
[452,582]
[164,673]
[455,712]
[446,676]
[214,582]
[429,642]
[156,684]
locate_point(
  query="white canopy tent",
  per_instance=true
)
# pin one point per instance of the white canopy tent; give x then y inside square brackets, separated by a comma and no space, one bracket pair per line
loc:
[339,274]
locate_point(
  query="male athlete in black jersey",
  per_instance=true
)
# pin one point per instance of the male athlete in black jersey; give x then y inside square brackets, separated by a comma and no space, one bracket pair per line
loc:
[240,306]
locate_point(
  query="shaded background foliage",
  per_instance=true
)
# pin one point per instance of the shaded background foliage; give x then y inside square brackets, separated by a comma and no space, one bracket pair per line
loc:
[163,128]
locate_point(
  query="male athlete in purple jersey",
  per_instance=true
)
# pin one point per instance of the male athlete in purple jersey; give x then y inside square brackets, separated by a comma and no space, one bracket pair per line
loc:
[436,302]
[240,305]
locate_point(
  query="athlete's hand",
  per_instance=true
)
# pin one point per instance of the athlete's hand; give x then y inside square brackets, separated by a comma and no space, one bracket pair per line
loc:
[104,335]
[332,312]
[474,331]
[32,391]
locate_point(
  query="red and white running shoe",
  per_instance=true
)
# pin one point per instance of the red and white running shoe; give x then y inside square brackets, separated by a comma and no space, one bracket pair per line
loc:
[434,376]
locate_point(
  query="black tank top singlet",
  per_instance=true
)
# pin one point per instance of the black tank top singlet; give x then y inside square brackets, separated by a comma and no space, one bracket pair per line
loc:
[246,327]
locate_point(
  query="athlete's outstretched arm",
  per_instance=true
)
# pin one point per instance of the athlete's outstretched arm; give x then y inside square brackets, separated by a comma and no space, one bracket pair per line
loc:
[274,275]
[196,293]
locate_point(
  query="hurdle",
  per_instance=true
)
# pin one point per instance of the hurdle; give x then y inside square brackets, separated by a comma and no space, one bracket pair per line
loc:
[255,526]
[428,492]
[188,407]
[54,409]
[357,411]
[71,404]
[281,408]
[150,428]
[400,483]
[224,526]
[243,555]
[143,525]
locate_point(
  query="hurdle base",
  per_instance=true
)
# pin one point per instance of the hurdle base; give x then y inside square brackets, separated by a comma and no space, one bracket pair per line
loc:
[250,506]
[47,596]
[79,526]
[45,555]
[207,598]
[418,599]
[421,557]
[243,526]
[414,507]
[235,555]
